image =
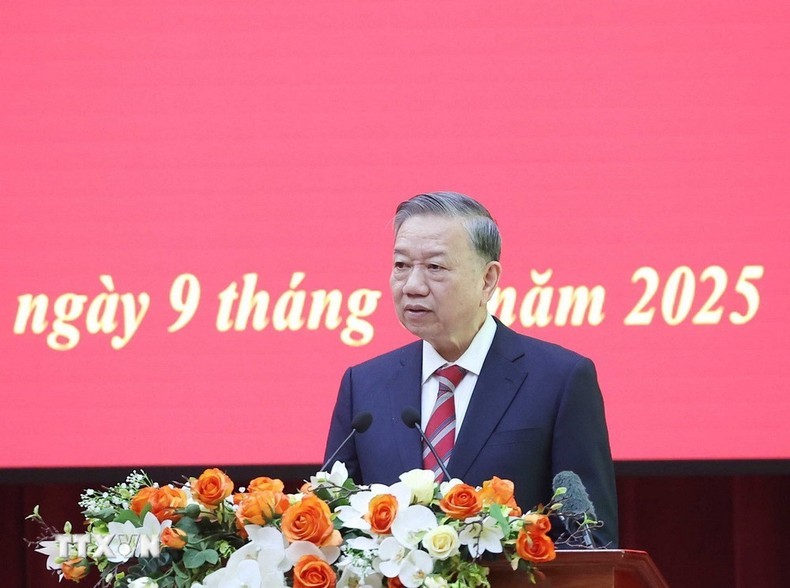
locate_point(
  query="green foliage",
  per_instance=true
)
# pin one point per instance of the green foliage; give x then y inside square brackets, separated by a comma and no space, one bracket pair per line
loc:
[187,524]
[498,514]
[126,515]
[463,574]
[194,558]
[192,511]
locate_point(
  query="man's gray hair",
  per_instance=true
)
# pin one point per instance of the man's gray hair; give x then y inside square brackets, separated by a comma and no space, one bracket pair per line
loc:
[482,228]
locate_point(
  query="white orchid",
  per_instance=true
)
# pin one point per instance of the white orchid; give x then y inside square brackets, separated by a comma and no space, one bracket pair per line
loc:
[298,549]
[337,477]
[358,566]
[270,546]
[366,544]
[52,550]
[481,535]
[127,539]
[391,555]
[238,573]
[353,577]
[261,563]
[415,569]
[412,523]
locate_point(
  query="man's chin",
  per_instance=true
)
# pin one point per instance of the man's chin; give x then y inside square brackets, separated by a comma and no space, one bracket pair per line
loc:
[416,328]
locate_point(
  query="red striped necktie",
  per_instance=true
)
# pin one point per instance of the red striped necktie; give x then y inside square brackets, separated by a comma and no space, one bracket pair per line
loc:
[441,426]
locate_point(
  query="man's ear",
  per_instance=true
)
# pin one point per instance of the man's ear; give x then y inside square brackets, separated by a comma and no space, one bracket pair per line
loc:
[491,273]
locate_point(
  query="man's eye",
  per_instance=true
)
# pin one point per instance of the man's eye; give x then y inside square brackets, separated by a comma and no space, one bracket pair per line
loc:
[434,267]
[399,265]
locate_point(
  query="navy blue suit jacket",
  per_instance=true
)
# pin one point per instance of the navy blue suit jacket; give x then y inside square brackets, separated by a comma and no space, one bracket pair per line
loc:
[536,410]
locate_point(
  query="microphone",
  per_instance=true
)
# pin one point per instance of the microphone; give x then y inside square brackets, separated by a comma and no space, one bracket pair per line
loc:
[575,502]
[411,419]
[359,424]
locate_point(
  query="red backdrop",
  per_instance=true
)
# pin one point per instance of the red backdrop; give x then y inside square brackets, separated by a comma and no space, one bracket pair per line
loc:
[638,150]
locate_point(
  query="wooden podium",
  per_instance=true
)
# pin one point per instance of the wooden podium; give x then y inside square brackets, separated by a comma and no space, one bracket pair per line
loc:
[585,568]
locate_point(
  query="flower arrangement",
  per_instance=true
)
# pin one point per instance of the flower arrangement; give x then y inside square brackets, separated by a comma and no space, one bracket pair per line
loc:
[201,534]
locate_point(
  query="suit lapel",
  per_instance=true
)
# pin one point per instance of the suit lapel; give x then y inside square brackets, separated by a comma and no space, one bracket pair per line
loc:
[405,390]
[500,378]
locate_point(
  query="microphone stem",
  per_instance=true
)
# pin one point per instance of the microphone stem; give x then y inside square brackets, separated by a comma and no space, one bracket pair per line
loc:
[334,455]
[433,450]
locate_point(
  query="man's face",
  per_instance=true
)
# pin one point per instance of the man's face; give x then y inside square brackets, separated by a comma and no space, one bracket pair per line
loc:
[440,284]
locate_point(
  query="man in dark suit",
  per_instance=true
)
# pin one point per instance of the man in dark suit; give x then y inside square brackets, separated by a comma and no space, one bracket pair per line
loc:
[523,409]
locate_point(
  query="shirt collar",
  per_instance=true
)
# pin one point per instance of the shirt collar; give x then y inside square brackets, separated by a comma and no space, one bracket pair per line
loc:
[471,360]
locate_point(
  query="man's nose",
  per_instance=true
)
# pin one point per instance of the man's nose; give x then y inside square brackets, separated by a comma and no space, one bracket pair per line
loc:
[416,284]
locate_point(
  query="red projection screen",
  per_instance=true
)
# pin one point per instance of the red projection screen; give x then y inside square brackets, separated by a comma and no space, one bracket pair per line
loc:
[196,203]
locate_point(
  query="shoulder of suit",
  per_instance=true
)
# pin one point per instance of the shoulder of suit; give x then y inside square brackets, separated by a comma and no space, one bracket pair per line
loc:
[400,355]
[536,350]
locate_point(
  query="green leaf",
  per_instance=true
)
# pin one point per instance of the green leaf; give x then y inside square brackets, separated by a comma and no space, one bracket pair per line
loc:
[497,512]
[324,494]
[192,511]
[211,556]
[179,572]
[106,514]
[189,526]
[193,558]
[128,515]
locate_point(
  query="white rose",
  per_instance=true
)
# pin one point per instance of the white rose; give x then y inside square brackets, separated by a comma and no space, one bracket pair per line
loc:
[441,542]
[420,482]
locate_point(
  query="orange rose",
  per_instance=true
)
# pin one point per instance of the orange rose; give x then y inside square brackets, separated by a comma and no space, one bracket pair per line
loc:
[259,508]
[173,538]
[164,502]
[461,501]
[142,498]
[498,491]
[75,569]
[536,523]
[534,547]
[264,483]
[212,487]
[381,512]
[306,488]
[309,520]
[313,572]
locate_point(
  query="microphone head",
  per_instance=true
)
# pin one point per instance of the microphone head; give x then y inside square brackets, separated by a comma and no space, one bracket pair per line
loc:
[362,422]
[575,500]
[410,417]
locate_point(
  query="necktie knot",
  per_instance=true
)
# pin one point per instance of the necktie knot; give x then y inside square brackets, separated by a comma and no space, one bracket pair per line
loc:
[452,375]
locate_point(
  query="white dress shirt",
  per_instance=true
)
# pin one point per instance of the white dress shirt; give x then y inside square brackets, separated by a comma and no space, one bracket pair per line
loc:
[472,361]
